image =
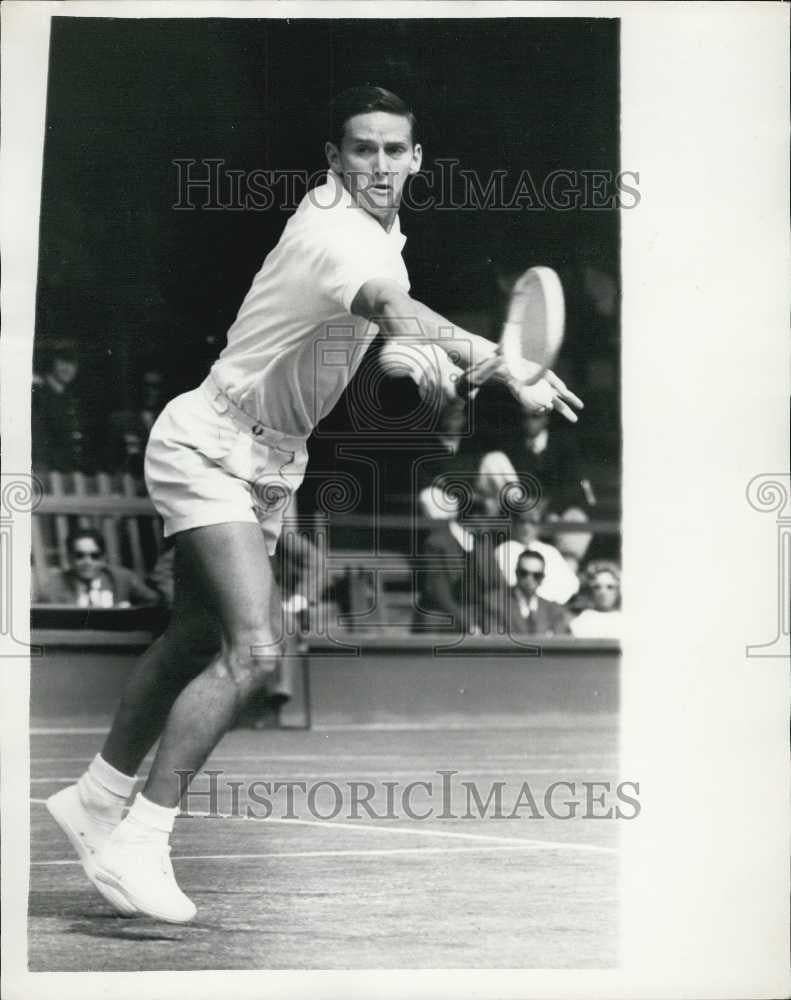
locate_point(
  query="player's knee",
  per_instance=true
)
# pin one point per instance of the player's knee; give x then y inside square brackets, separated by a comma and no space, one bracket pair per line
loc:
[252,660]
[189,645]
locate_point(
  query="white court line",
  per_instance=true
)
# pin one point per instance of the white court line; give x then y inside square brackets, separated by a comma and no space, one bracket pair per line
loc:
[69,731]
[539,845]
[375,852]
[340,727]
[363,758]
[514,725]
[461,775]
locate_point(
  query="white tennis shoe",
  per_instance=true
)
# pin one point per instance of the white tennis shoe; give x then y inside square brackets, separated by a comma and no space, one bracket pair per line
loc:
[87,833]
[141,871]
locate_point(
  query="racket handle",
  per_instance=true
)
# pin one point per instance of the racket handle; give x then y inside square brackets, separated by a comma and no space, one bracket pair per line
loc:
[483,370]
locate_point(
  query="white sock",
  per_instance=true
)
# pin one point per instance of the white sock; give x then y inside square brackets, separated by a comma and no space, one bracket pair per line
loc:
[104,790]
[147,821]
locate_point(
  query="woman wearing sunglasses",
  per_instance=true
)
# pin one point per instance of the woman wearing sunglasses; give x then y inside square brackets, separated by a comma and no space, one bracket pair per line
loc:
[603,619]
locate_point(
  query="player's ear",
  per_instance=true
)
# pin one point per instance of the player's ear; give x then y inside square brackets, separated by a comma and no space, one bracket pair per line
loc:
[417,158]
[333,155]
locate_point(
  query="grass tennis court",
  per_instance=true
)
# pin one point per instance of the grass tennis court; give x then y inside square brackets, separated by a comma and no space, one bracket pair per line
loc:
[308,893]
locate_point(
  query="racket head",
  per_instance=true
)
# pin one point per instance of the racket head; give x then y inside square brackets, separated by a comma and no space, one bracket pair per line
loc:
[535,321]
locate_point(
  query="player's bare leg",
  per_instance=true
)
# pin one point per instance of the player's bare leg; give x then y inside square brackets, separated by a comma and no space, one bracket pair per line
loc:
[192,639]
[90,810]
[232,566]
[229,565]
[223,575]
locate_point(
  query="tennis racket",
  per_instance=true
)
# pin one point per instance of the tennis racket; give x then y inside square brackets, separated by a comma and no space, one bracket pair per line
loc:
[533,328]
[535,321]
[531,338]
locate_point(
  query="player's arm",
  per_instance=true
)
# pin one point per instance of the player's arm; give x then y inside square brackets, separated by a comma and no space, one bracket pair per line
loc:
[397,314]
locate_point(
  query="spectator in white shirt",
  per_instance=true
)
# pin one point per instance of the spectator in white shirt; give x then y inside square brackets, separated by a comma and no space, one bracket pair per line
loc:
[603,620]
[560,583]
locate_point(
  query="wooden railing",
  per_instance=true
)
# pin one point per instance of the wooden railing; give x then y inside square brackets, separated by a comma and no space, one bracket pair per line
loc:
[378,581]
[116,506]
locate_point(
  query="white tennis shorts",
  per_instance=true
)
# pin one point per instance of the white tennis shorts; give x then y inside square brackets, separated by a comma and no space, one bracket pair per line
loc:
[207,462]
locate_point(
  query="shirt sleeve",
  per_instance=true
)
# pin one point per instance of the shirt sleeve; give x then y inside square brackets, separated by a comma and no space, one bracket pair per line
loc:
[345,261]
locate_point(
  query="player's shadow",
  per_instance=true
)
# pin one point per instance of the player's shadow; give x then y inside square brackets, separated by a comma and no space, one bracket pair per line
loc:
[121,930]
[94,919]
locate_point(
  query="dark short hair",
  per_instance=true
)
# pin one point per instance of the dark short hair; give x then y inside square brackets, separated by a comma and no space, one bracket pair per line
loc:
[79,533]
[361,101]
[531,554]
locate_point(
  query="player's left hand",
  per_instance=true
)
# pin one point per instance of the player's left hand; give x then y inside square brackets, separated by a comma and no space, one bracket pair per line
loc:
[548,393]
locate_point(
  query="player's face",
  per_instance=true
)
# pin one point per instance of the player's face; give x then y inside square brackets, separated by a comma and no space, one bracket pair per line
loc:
[604,591]
[529,575]
[374,160]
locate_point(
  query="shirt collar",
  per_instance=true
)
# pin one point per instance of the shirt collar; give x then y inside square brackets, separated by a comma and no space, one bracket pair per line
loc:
[340,196]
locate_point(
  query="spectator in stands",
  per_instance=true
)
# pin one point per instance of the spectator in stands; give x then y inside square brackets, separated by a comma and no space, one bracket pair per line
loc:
[297,568]
[603,619]
[458,574]
[128,430]
[59,429]
[90,583]
[447,460]
[551,458]
[559,583]
[519,610]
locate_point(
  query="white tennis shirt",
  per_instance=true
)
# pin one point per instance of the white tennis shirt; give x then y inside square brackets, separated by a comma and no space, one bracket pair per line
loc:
[295,345]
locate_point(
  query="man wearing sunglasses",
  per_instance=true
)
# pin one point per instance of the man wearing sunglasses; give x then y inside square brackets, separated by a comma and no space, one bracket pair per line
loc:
[89,582]
[520,611]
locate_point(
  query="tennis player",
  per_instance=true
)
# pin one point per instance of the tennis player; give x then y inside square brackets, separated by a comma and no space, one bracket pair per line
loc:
[221,464]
